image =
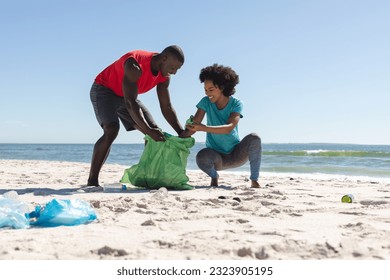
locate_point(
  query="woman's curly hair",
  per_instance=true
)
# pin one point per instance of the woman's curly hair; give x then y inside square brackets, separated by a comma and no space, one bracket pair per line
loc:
[223,77]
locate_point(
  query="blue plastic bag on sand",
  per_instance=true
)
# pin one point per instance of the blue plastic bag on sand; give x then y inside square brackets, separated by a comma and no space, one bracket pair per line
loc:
[12,211]
[63,212]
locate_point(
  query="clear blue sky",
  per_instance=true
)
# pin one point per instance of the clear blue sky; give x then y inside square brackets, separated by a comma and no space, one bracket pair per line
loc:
[310,71]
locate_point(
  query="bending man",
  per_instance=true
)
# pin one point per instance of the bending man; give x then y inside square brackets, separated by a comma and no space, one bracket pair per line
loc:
[114,97]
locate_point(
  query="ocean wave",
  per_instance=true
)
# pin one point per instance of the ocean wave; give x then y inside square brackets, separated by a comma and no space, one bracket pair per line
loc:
[329,153]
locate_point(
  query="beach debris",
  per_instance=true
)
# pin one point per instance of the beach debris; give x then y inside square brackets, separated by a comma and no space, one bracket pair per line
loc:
[62,212]
[190,120]
[348,198]
[113,187]
[160,194]
[12,211]
[90,189]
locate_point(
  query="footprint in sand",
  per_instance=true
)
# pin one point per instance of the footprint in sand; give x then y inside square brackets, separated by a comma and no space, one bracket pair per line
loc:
[148,223]
[109,251]
[353,213]
[373,202]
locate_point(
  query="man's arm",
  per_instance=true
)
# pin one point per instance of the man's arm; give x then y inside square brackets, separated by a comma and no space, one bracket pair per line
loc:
[130,92]
[166,107]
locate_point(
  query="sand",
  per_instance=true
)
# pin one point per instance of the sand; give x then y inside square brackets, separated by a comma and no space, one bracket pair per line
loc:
[292,217]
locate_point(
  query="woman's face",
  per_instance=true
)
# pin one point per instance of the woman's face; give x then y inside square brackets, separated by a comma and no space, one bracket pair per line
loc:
[213,92]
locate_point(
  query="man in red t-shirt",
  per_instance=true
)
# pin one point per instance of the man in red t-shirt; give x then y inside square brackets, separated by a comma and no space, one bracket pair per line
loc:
[114,97]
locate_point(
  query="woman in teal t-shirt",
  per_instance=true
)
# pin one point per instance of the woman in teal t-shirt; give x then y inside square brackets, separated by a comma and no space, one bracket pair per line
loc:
[224,148]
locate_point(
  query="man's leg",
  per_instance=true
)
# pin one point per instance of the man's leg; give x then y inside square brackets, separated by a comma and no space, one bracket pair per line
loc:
[101,151]
[105,104]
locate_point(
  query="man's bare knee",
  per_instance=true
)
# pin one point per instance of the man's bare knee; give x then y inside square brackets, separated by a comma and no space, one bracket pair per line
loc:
[111,131]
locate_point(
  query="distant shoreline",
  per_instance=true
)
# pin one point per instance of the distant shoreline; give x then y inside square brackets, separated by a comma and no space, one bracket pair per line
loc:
[244,174]
[341,159]
[265,143]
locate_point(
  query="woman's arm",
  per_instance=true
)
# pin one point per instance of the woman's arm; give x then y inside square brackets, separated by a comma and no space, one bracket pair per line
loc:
[231,123]
[198,118]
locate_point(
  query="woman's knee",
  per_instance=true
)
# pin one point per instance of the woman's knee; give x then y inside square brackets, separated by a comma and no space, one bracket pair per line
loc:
[253,143]
[202,155]
[207,156]
[252,138]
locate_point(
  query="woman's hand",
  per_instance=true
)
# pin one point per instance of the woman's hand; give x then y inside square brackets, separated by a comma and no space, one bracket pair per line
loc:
[195,127]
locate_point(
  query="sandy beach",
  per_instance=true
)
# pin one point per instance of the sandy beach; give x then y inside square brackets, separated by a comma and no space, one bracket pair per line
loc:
[292,217]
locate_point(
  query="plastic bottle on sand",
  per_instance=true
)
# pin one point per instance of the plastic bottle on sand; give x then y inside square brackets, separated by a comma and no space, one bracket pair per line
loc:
[115,187]
[161,193]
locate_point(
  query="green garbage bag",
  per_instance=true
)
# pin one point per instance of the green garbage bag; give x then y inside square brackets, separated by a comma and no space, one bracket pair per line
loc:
[162,164]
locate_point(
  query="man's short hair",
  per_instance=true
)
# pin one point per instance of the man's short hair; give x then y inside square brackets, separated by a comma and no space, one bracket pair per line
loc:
[176,51]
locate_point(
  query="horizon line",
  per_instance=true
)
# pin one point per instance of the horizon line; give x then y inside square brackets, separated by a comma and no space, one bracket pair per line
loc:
[266,143]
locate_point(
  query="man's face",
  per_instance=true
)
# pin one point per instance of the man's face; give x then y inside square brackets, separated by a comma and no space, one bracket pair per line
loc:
[170,66]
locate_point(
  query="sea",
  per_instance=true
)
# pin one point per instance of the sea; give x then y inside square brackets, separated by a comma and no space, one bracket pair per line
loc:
[314,158]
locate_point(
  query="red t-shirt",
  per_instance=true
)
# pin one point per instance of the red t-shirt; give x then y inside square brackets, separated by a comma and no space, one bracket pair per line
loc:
[112,76]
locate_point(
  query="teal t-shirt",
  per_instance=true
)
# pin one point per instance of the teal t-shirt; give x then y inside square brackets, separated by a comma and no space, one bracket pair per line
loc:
[223,143]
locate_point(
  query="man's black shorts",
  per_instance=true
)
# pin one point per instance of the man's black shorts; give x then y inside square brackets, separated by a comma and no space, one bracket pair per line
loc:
[109,108]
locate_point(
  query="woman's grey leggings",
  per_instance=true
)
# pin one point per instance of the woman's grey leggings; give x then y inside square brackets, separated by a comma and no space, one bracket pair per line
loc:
[209,160]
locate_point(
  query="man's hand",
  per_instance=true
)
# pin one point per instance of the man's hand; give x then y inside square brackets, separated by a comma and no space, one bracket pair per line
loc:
[185,134]
[156,134]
